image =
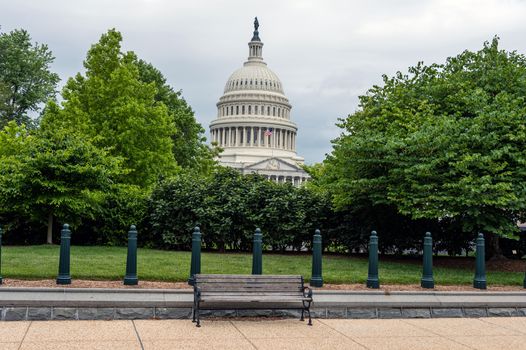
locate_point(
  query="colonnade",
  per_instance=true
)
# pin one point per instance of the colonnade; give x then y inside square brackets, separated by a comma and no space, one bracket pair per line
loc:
[295,180]
[258,109]
[254,136]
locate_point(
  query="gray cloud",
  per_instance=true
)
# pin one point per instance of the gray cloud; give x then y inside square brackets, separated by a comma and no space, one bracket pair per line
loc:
[326,53]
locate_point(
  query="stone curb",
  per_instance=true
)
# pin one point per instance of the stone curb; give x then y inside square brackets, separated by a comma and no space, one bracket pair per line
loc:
[60,313]
[109,304]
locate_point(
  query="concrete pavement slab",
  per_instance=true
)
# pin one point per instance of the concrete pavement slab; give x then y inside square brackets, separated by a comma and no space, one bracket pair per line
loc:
[376,328]
[13,331]
[329,343]
[198,344]
[74,331]
[517,324]
[185,329]
[460,327]
[82,345]
[493,342]
[403,343]
[283,329]
[9,346]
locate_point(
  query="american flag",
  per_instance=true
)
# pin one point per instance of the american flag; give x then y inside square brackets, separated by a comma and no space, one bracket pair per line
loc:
[268,132]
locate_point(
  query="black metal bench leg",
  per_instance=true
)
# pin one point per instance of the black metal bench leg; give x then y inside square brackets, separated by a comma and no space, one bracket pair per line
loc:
[198,321]
[307,308]
[302,314]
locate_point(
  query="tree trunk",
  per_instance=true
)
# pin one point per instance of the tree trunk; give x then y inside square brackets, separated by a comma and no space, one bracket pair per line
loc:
[50,229]
[494,252]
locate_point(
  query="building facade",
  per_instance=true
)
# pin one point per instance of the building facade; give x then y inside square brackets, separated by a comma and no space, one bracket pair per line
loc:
[253,123]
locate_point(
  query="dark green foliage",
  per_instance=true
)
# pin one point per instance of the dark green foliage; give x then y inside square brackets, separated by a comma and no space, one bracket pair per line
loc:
[228,206]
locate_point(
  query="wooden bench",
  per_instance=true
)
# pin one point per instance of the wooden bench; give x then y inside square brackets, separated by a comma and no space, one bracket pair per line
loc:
[227,292]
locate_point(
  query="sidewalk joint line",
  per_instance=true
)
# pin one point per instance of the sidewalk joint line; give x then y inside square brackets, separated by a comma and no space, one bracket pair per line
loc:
[24,337]
[440,335]
[137,333]
[243,334]
[343,334]
[519,333]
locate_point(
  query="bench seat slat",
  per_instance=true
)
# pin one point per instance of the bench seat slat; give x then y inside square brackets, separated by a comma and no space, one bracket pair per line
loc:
[252,299]
[204,275]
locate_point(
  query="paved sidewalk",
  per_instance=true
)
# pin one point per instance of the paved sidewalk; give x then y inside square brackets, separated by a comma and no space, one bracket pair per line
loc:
[449,334]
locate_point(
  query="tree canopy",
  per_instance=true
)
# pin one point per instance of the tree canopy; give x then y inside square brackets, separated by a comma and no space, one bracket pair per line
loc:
[118,111]
[53,175]
[445,142]
[26,81]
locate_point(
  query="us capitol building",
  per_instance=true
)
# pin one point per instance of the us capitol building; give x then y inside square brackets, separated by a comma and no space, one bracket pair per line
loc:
[253,123]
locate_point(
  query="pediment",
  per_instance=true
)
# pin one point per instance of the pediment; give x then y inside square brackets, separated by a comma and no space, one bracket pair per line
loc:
[274,164]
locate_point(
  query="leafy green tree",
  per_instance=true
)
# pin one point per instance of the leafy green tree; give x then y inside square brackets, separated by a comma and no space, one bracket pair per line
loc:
[190,150]
[47,176]
[116,110]
[25,77]
[444,142]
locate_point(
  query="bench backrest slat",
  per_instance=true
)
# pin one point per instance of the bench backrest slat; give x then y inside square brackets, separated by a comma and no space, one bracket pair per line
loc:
[249,283]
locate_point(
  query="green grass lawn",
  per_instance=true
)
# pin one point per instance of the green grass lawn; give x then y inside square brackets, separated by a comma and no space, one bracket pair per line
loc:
[108,263]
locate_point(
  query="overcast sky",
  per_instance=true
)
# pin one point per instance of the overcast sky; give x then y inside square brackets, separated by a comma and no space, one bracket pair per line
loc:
[326,53]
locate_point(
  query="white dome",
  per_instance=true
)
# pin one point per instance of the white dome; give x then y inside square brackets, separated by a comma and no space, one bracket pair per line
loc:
[253,125]
[254,76]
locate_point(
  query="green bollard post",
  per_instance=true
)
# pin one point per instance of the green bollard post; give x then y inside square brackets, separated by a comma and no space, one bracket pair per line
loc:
[427,280]
[257,255]
[195,265]
[316,279]
[64,276]
[480,265]
[1,279]
[372,277]
[131,278]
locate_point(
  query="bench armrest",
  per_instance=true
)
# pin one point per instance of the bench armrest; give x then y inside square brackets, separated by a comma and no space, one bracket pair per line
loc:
[307,292]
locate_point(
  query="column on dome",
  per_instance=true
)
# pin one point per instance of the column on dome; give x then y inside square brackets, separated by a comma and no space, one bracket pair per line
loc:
[237,136]
[283,132]
[244,136]
[251,136]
